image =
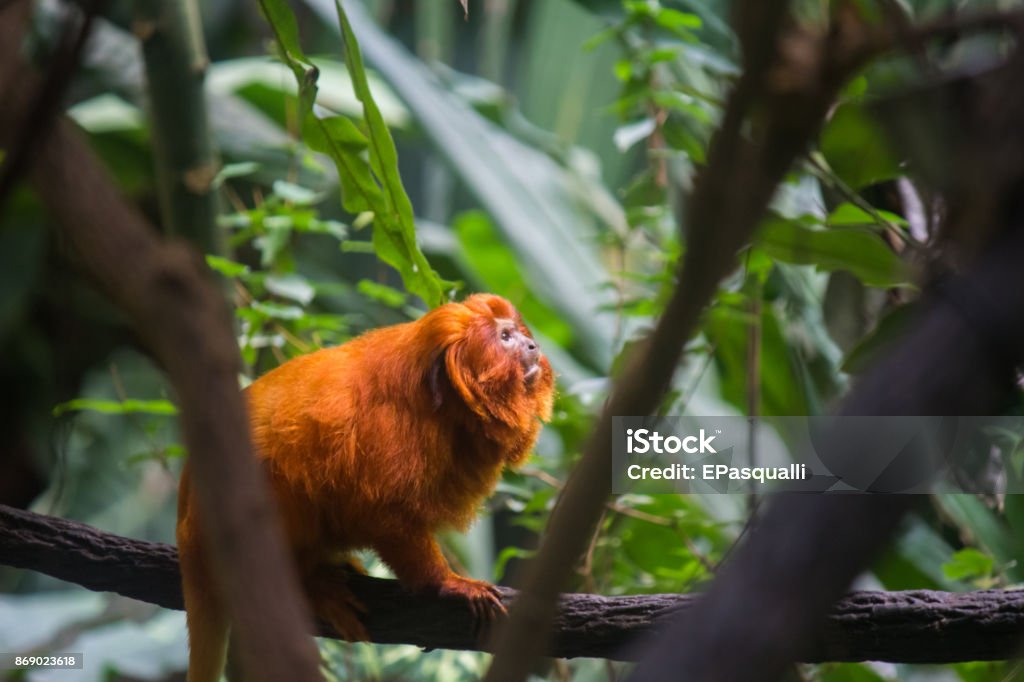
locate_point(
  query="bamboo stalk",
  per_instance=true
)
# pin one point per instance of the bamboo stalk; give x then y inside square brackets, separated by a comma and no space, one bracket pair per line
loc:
[171,36]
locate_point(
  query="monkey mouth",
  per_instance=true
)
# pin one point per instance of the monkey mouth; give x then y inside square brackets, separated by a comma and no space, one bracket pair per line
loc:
[530,371]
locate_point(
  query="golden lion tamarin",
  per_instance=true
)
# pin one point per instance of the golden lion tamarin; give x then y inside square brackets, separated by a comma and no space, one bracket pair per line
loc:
[378,443]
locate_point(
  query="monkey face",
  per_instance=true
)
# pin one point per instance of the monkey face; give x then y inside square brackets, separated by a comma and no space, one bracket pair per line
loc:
[487,358]
[517,342]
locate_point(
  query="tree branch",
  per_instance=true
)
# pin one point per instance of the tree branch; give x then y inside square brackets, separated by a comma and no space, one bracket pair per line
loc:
[919,626]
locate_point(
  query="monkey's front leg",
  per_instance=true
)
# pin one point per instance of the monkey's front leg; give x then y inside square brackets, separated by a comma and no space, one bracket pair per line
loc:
[419,565]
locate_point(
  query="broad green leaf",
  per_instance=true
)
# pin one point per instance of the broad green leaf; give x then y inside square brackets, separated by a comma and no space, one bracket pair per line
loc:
[157,407]
[107,113]
[860,252]
[856,149]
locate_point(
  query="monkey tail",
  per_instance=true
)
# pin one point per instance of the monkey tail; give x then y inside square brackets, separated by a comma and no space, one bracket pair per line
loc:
[204,609]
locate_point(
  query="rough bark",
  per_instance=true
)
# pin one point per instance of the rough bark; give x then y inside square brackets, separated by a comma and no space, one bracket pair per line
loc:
[919,626]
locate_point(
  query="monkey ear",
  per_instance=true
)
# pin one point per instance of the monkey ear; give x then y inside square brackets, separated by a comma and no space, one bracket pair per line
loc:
[462,381]
[437,380]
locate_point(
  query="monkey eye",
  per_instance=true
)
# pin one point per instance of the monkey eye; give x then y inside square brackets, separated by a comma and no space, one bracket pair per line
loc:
[506,335]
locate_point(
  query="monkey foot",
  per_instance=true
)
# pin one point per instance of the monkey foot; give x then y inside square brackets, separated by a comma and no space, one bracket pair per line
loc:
[342,611]
[484,599]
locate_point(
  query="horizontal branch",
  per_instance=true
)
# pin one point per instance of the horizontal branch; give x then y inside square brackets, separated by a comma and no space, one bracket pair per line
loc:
[919,626]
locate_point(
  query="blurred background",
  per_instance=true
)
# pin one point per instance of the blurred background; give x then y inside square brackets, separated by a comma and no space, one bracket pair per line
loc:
[547,148]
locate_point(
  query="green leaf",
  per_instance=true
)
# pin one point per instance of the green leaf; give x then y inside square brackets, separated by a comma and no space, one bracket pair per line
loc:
[293,287]
[295,194]
[157,407]
[856,149]
[338,138]
[367,185]
[226,266]
[968,564]
[235,170]
[394,232]
[727,329]
[847,214]
[331,227]
[506,555]
[355,246]
[673,19]
[381,293]
[860,252]
[286,33]
[277,238]
[277,311]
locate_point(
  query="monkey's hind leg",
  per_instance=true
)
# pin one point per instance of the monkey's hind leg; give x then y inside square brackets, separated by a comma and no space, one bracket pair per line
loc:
[332,600]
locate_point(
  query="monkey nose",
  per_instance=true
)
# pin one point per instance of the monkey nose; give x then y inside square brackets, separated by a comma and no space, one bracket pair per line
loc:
[531,351]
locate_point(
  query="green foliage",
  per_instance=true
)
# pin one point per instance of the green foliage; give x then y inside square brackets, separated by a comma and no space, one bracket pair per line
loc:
[367,185]
[277,306]
[856,250]
[727,330]
[856,148]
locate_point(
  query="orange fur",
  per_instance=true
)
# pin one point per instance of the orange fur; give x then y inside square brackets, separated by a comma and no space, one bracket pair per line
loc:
[379,443]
